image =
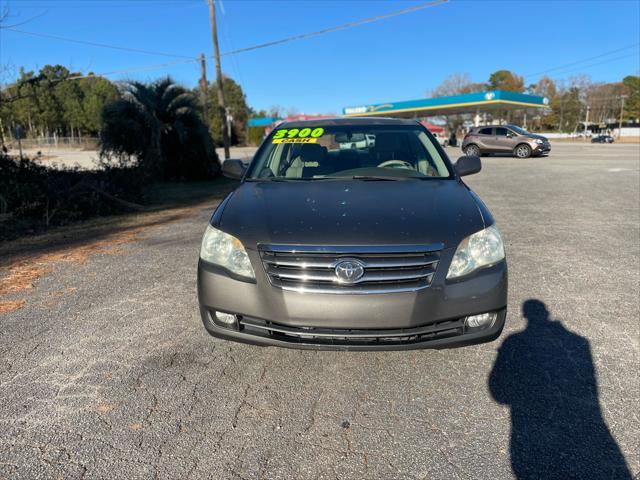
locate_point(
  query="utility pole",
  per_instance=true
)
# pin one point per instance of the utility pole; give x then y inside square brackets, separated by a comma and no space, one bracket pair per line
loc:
[561,114]
[622,97]
[586,121]
[204,88]
[222,109]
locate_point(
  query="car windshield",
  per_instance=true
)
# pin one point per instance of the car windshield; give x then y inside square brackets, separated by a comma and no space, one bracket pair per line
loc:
[518,130]
[349,151]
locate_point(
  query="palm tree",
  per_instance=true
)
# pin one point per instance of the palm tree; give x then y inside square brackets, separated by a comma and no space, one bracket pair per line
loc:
[161,125]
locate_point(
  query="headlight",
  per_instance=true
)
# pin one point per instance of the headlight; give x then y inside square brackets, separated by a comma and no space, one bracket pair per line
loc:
[539,141]
[478,250]
[225,250]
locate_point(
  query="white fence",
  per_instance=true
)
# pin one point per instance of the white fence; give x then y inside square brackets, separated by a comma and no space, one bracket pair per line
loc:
[625,132]
[47,143]
[630,132]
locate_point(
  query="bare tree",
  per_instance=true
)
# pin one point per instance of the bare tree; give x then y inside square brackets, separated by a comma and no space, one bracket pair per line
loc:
[455,84]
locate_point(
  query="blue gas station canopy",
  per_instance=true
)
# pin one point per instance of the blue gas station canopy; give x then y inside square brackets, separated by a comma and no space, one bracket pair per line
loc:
[456,104]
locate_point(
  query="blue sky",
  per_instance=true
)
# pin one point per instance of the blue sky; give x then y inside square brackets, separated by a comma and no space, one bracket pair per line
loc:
[395,59]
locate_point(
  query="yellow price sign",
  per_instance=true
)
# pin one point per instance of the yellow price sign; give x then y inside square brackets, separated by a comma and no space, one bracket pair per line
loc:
[294,140]
[296,135]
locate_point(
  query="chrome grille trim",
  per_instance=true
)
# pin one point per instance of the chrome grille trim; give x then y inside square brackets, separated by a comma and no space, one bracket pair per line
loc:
[318,262]
[387,269]
[276,248]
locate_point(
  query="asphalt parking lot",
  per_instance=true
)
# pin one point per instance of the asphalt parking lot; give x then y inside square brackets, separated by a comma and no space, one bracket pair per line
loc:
[106,371]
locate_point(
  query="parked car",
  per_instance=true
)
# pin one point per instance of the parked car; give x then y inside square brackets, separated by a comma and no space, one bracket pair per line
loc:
[504,139]
[381,247]
[602,139]
[358,141]
[441,139]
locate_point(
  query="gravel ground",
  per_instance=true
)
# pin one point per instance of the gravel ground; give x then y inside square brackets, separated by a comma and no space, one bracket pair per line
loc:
[106,372]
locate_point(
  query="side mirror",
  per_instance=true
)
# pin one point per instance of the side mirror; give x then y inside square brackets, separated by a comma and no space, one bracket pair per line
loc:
[233,168]
[468,165]
[510,135]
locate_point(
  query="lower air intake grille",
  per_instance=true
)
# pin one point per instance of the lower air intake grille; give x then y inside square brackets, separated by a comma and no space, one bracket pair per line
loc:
[346,337]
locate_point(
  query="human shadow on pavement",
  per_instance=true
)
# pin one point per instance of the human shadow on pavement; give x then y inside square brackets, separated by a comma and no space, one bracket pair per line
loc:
[547,377]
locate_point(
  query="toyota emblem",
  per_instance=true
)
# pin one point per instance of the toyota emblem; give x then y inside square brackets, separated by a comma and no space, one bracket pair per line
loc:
[349,271]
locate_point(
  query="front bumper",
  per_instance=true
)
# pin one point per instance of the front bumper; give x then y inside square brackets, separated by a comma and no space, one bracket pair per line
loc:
[428,318]
[541,149]
[447,334]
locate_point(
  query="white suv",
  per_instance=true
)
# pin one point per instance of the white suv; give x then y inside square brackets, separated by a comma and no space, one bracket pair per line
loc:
[442,140]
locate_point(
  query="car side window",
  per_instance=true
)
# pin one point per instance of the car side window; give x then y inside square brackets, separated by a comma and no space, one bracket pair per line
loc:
[502,132]
[486,131]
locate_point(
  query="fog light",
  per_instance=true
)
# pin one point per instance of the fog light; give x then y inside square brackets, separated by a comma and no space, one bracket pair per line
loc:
[226,320]
[484,320]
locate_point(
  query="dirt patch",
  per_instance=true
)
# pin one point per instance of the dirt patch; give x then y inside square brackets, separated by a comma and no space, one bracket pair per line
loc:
[105,408]
[21,270]
[8,306]
[21,277]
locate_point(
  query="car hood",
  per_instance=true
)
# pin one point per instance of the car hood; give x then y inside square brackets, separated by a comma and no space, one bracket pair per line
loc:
[539,137]
[336,212]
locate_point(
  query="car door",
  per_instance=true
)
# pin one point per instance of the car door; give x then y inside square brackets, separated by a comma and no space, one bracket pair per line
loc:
[486,139]
[505,139]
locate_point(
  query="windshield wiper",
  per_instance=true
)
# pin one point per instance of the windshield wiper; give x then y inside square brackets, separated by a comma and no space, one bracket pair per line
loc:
[287,179]
[389,178]
[277,179]
[380,177]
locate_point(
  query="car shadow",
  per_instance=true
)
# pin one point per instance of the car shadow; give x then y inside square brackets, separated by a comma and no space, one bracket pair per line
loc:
[546,375]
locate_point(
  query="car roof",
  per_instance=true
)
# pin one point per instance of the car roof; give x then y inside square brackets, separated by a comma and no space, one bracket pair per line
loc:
[495,126]
[341,121]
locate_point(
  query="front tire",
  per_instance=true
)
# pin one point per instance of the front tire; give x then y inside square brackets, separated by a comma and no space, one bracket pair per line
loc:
[472,150]
[522,151]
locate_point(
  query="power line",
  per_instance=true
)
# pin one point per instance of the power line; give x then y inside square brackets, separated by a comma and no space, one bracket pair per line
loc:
[28,20]
[96,44]
[136,69]
[562,67]
[155,66]
[234,59]
[104,74]
[105,3]
[598,63]
[233,52]
[337,28]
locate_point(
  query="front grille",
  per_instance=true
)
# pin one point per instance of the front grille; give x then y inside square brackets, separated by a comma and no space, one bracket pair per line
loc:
[346,337]
[387,269]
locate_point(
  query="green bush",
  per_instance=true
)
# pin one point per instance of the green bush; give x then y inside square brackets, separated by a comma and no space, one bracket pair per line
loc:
[160,126]
[256,134]
[35,197]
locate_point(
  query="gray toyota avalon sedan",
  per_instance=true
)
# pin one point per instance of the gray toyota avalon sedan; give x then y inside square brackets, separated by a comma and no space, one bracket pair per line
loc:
[352,234]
